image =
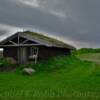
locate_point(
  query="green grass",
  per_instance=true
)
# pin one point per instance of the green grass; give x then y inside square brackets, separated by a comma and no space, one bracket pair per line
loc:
[60,78]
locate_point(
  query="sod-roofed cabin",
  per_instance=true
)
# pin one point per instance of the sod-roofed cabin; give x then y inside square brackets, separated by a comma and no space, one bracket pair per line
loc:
[25,47]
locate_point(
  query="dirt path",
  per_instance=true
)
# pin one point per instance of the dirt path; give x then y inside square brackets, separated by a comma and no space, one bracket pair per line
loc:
[95,57]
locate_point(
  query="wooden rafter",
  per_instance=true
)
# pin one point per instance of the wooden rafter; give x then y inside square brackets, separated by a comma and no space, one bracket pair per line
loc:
[15,41]
[12,42]
[20,45]
[24,42]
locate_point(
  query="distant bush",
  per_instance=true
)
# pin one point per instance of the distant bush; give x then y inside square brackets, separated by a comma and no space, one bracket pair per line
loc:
[87,50]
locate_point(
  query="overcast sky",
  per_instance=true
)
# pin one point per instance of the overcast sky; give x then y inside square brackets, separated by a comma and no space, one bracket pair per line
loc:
[75,21]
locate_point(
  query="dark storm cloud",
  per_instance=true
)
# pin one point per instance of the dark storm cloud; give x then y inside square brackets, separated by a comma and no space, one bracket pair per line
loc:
[77,21]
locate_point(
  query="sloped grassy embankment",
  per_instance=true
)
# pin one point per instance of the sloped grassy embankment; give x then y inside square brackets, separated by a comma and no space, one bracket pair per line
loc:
[60,78]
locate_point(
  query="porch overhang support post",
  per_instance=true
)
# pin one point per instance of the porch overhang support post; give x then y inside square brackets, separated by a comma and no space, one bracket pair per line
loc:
[18,54]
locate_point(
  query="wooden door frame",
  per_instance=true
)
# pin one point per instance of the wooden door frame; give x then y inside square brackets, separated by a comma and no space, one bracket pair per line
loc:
[22,52]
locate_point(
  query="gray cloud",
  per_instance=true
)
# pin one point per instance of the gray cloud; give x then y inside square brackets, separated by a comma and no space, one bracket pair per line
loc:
[75,21]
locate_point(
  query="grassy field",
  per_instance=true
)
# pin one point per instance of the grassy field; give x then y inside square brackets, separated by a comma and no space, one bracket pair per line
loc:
[60,78]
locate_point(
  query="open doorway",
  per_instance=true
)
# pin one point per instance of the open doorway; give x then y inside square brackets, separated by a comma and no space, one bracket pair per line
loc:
[22,55]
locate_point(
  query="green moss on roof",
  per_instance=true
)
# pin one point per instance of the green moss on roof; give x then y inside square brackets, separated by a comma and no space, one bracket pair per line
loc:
[48,40]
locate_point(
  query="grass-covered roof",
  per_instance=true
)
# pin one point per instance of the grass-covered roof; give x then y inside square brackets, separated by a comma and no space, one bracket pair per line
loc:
[47,40]
[40,38]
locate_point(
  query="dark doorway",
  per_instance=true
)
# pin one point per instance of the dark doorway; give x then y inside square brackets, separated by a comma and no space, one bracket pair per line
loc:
[22,55]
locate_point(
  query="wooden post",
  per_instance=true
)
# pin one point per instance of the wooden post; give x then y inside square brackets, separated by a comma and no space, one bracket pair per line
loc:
[18,38]
[18,49]
[36,58]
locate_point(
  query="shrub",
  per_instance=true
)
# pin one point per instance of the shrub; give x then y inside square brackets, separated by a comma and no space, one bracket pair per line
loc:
[54,63]
[87,50]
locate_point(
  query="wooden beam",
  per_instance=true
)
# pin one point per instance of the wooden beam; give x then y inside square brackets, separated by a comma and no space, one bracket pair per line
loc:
[18,38]
[12,42]
[31,39]
[20,45]
[9,38]
[18,50]
[24,42]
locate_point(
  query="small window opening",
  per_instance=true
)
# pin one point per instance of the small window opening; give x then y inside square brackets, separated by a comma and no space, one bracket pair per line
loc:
[34,54]
[34,51]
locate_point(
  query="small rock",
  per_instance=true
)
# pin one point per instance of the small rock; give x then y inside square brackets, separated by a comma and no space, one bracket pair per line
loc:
[28,71]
